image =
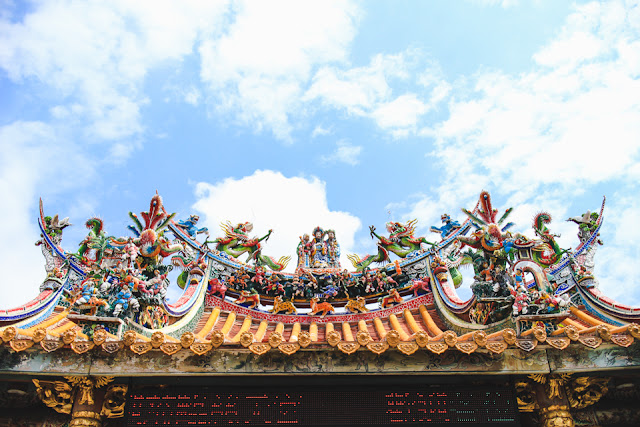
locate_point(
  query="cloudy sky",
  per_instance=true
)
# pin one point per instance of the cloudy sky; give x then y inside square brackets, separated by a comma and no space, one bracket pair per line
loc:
[339,114]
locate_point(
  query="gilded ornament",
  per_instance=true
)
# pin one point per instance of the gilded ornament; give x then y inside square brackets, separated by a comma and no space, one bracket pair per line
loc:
[289,348]
[129,338]
[556,416]
[591,341]
[114,401]
[526,345]
[604,332]
[246,338]
[217,338]
[450,338]
[467,347]
[69,336]
[80,347]
[558,342]
[333,338]
[634,330]
[480,337]
[378,347]
[259,348]
[85,419]
[275,339]
[157,339]
[99,336]
[85,386]
[9,333]
[187,339]
[540,334]
[55,394]
[141,347]
[407,348]
[497,347]
[200,348]
[363,338]
[509,336]
[585,391]
[112,346]
[51,345]
[623,340]
[348,347]
[170,348]
[39,334]
[392,338]
[437,347]
[421,338]
[304,339]
[20,345]
[572,333]
[526,396]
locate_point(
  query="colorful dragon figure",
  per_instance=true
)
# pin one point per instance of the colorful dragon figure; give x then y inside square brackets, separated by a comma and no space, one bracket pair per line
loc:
[237,242]
[94,245]
[190,227]
[448,225]
[489,236]
[547,252]
[401,241]
[149,237]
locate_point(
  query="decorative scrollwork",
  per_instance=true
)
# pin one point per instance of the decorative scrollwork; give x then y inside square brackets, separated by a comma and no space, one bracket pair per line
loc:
[585,391]
[114,401]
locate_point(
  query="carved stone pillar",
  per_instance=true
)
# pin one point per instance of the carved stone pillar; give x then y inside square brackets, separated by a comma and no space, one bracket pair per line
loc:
[85,398]
[553,396]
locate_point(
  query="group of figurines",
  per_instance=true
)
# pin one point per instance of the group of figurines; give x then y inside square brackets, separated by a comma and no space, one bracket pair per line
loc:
[128,277]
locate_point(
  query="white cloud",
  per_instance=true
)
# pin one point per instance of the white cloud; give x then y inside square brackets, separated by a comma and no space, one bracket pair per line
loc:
[344,153]
[321,131]
[268,199]
[257,68]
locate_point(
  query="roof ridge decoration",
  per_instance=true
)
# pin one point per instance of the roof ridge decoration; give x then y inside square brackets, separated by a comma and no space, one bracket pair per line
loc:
[526,291]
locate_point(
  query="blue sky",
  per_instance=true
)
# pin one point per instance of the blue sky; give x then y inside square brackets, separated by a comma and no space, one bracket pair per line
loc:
[339,114]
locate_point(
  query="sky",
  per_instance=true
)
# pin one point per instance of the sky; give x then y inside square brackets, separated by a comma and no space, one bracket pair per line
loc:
[343,114]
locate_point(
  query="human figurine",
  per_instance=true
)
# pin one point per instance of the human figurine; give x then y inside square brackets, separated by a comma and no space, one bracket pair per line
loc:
[318,249]
[332,249]
[304,249]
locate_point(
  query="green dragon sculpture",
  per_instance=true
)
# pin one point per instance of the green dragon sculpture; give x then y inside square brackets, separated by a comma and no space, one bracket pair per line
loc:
[96,242]
[401,241]
[547,252]
[236,242]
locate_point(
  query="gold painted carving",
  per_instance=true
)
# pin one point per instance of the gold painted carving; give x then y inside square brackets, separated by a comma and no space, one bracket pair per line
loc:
[623,340]
[157,339]
[141,347]
[553,383]
[129,338]
[51,345]
[246,338]
[20,345]
[437,347]
[99,336]
[80,347]
[363,338]
[467,347]
[348,347]
[86,385]
[378,347]
[259,348]
[572,333]
[217,338]
[200,348]
[408,348]
[509,336]
[585,391]
[187,339]
[114,401]
[604,332]
[333,338]
[540,334]
[275,339]
[304,339]
[85,419]
[9,333]
[526,396]
[289,348]
[170,348]
[69,336]
[497,347]
[556,416]
[480,337]
[392,338]
[591,341]
[55,394]
[39,334]
[634,330]
[450,338]
[112,347]
[421,338]
[558,342]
